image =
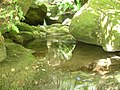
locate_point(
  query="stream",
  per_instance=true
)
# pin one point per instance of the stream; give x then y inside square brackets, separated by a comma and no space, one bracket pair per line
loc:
[59,63]
[74,66]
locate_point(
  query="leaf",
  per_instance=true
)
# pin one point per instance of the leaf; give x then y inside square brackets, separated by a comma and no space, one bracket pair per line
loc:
[14,28]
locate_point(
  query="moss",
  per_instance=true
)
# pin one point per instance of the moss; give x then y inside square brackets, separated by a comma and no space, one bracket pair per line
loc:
[22,71]
[36,14]
[91,24]
[13,68]
[86,23]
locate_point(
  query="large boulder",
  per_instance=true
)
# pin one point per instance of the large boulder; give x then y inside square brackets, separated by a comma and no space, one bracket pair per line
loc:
[36,14]
[97,22]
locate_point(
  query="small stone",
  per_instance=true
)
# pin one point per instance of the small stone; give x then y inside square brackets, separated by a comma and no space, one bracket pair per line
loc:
[43,69]
[13,69]
[27,68]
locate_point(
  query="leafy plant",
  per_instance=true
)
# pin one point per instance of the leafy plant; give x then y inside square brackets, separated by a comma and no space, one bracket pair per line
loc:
[65,7]
[68,6]
[10,15]
[78,4]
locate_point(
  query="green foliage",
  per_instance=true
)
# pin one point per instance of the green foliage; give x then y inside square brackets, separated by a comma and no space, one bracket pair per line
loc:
[78,4]
[65,6]
[10,15]
[68,6]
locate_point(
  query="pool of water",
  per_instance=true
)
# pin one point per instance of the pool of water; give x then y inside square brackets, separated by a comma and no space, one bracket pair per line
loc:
[80,66]
[60,64]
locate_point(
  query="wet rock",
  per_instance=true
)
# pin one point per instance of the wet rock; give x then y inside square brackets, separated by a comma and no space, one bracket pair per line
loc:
[3,53]
[27,33]
[97,23]
[36,14]
[57,29]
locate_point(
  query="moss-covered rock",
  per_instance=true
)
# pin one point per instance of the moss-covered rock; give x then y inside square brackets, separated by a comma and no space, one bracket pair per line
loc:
[97,23]
[110,30]
[22,71]
[13,68]
[36,14]
[27,33]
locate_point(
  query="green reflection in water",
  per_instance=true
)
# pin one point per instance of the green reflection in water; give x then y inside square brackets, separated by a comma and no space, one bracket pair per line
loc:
[59,49]
[70,74]
[73,66]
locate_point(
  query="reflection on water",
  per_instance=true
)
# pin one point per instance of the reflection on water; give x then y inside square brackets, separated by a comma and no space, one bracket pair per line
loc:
[59,49]
[87,81]
[81,66]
